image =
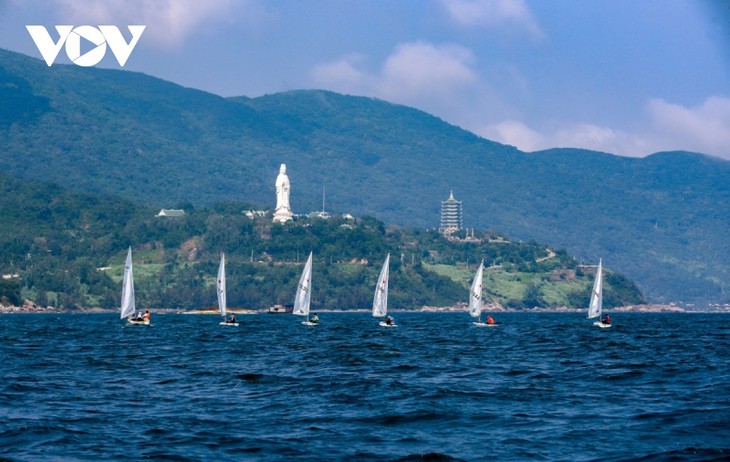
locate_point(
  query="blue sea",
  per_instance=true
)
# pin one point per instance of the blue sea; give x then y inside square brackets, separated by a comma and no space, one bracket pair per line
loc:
[654,387]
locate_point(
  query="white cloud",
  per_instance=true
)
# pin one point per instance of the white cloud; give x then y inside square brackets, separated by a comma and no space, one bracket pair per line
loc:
[169,22]
[704,128]
[419,69]
[597,138]
[581,135]
[417,73]
[492,13]
[515,133]
[342,75]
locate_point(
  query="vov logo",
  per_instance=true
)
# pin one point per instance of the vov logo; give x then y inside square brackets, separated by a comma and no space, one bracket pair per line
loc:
[71,36]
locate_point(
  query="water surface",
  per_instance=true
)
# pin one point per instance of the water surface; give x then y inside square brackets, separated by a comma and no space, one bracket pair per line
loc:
[538,387]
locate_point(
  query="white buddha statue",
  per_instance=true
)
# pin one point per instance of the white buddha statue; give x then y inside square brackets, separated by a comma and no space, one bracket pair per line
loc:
[282,213]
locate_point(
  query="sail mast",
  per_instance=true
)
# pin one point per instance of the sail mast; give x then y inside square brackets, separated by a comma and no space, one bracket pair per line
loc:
[596,305]
[128,305]
[303,295]
[380,299]
[475,294]
[221,286]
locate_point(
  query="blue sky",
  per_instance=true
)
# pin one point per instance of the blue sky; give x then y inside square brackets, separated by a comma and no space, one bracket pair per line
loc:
[626,77]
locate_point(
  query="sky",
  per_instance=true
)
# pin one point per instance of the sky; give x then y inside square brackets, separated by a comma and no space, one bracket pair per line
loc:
[621,76]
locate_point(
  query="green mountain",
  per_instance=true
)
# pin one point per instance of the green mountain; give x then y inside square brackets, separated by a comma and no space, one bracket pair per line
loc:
[661,220]
[68,248]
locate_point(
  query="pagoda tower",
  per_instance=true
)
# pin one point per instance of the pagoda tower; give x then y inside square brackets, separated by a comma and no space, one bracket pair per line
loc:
[451,218]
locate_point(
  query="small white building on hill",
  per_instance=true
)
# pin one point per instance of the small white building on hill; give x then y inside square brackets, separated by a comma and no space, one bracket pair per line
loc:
[170,213]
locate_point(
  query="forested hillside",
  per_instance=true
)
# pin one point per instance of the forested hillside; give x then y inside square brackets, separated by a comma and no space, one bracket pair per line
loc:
[66,249]
[661,220]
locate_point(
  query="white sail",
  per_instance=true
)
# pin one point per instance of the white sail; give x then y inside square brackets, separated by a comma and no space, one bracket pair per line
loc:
[128,303]
[475,294]
[596,305]
[221,286]
[301,300]
[380,300]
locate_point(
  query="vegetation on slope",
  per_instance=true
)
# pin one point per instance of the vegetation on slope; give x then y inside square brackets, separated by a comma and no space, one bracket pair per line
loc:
[68,249]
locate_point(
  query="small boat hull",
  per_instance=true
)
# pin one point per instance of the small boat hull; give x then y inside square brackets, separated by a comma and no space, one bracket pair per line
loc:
[223,323]
[385,324]
[602,325]
[309,323]
[145,322]
[280,309]
[484,324]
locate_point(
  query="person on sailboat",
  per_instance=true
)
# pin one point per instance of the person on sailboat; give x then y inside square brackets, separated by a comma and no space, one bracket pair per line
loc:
[231,319]
[389,320]
[490,320]
[607,319]
[314,319]
[146,316]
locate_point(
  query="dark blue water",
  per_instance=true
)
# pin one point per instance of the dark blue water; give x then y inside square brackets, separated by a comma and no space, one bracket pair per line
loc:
[539,387]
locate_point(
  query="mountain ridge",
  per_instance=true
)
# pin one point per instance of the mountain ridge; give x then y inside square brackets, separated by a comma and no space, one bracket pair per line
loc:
[658,219]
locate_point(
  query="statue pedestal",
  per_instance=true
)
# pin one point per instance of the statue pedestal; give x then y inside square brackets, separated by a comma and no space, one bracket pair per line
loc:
[282,215]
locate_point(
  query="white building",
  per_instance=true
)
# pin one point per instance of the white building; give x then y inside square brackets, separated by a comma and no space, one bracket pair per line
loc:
[451,218]
[170,213]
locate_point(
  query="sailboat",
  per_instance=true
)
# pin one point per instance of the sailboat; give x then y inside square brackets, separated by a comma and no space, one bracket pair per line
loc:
[475,298]
[304,293]
[128,305]
[380,300]
[221,290]
[595,307]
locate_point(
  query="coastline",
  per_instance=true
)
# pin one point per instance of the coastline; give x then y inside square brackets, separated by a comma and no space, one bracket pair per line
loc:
[30,307]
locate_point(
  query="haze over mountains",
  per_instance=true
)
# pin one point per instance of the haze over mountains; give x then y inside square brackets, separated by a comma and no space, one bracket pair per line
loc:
[662,220]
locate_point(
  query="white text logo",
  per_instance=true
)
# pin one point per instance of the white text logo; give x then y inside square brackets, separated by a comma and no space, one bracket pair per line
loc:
[99,36]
